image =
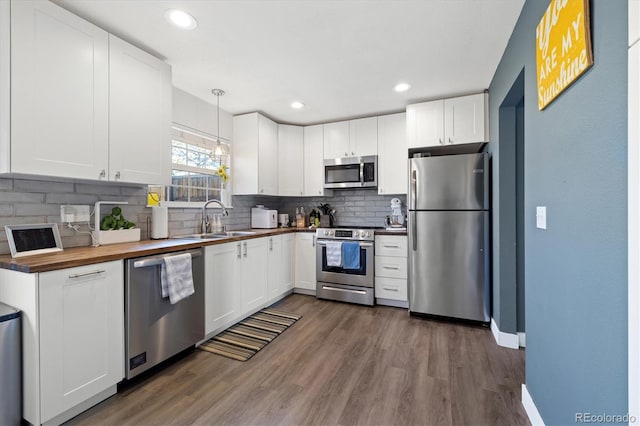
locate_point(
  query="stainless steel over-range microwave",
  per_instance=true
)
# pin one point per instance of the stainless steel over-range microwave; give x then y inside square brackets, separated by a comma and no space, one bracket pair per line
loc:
[351,172]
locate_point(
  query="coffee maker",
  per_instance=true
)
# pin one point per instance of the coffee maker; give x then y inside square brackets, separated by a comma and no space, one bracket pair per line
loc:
[396,218]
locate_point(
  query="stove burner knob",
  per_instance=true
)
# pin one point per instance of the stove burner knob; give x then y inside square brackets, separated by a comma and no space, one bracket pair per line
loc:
[326,232]
[367,234]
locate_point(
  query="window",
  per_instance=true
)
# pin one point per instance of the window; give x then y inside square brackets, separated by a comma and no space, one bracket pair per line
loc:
[194,168]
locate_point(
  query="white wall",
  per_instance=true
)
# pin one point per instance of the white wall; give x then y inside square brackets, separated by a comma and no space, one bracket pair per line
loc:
[197,114]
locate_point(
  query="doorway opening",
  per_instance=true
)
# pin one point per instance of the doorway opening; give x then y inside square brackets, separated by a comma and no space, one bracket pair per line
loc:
[512,210]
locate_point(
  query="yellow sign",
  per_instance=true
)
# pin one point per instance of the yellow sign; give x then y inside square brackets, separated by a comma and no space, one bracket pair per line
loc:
[563,47]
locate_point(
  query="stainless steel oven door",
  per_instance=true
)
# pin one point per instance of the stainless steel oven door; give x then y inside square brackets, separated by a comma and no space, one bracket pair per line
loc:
[362,276]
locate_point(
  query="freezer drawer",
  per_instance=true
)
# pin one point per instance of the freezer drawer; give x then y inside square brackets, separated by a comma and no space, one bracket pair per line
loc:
[449,264]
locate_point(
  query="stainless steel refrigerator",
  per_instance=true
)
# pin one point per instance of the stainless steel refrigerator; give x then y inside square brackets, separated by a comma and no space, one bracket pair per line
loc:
[449,236]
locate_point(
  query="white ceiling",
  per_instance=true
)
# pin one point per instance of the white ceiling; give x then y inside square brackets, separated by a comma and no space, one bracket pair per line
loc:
[339,57]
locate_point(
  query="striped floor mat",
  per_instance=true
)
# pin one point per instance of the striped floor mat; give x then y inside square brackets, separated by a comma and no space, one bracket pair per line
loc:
[244,339]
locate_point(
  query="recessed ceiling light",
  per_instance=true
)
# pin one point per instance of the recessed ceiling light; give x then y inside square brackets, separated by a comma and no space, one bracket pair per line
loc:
[297,105]
[181,19]
[402,87]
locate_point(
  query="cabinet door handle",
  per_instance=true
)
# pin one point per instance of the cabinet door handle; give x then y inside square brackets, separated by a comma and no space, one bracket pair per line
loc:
[86,274]
[319,191]
[440,141]
[450,140]
[271,244]
[117,177]
[245,249]
[389,289]
[239,251]
[390,267]
[386,246]
[346,154]
[313,242]
[103,174]
[353,153]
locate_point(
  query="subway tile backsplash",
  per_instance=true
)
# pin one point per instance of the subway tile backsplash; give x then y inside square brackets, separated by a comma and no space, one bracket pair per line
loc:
[24,201]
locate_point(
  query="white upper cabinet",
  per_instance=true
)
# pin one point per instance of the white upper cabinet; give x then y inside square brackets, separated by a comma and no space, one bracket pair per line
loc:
[255,155]
[425,124]
[449,121]
[313,161]
[351,138]
[290,160]
[5,85]
[336,139]
[392,154]
[84,104]
[59,93]
[634,21]
[363,136]
[465,119]
[139,115]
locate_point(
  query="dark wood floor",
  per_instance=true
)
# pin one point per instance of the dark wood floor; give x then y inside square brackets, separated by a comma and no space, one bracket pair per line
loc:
[340,364]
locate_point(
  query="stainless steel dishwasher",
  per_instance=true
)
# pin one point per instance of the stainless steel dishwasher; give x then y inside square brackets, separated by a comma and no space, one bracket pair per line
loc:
[155,330]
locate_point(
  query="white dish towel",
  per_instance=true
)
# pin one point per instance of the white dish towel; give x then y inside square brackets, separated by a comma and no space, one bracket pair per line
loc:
[176,278]
[334,253]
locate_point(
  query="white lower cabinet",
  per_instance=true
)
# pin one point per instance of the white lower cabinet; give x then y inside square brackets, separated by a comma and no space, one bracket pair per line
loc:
[222,291]
[253,275]
[288,264]
[243,277]
[73,337]
[391,270]
[274,266]
[305,268]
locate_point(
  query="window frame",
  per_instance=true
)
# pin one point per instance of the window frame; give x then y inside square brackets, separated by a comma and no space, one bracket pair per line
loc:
[202,140]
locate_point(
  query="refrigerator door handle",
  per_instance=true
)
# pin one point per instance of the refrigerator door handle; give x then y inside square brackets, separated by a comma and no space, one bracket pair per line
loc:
[414,190]
[414,230]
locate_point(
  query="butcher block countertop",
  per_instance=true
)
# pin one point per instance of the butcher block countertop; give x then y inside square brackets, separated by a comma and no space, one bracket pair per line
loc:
[80,256]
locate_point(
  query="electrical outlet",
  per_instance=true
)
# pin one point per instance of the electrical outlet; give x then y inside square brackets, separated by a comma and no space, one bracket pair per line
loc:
[74,213]
[541,217]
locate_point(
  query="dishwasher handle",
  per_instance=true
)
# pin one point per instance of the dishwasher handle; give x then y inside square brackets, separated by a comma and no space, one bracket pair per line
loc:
[158,260]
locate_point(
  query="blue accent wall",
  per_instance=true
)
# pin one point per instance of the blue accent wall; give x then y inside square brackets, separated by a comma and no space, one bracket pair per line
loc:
[576,270]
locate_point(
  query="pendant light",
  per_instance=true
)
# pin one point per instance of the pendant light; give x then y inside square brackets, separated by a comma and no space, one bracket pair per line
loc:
[220,148]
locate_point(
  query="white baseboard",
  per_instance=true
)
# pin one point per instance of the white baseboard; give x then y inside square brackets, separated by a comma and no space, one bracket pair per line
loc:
[530,407]
[522,341]
[304,291]
[506,340]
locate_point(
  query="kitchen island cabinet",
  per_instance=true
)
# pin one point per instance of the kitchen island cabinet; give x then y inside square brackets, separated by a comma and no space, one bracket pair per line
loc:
[73,337]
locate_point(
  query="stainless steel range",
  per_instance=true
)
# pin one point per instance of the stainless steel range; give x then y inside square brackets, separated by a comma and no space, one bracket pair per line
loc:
[346,280]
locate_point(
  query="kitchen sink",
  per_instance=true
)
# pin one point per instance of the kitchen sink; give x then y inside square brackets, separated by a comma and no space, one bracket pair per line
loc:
[237,233]
[216,235]
[201,236]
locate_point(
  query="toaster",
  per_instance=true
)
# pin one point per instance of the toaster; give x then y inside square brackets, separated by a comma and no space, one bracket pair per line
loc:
[264,218]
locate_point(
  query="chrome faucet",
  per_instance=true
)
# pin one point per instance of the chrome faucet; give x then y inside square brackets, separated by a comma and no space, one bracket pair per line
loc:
[205,218]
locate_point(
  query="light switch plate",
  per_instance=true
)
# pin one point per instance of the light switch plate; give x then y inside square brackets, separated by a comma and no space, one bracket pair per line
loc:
[541,217]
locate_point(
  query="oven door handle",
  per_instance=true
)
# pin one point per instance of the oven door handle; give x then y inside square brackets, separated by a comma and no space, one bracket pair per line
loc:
[344,290]
[324,243]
